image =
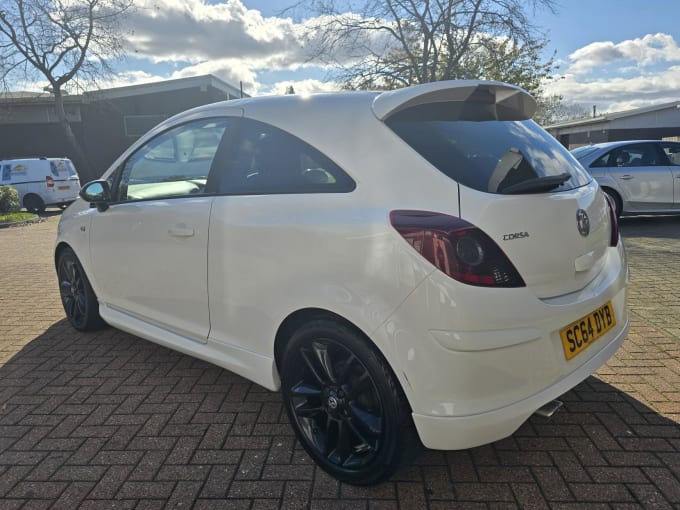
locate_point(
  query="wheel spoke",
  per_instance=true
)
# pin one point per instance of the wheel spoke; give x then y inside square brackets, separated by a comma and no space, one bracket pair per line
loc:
[80,300]
[344,371]
[369,422]
[324,359]
[72,270]
[316,437]
[304,389]
[361,383]
[307,410]
[65,289]
[342,448]
[69,305]
[364,445]
[310,365]
[78,283]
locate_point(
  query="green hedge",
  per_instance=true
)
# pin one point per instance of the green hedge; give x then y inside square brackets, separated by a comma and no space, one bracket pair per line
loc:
[9,200]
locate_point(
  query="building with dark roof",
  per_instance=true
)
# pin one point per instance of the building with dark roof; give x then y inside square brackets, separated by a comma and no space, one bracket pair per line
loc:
[105,122]
[650,123]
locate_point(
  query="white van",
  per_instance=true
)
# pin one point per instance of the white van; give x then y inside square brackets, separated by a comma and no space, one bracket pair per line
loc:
[41,181]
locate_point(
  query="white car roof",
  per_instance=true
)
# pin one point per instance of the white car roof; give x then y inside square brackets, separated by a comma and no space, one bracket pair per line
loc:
[510,102]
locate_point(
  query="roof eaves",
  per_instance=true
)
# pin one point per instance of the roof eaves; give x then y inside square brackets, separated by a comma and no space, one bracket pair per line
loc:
[163,86]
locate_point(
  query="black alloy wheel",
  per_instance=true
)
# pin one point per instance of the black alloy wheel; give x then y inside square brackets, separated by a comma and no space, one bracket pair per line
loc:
[344,403]
[77,297]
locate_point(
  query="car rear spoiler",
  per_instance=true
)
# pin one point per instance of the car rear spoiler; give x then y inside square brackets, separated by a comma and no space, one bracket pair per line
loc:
[500,101]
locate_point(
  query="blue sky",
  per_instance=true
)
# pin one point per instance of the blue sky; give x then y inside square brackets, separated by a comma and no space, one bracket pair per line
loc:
[618,54]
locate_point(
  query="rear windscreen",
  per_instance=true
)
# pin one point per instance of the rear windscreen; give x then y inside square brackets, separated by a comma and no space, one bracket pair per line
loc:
[62,168]
[492,156]
[584,151]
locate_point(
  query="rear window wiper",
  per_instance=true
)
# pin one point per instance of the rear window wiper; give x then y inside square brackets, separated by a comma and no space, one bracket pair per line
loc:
[537,184]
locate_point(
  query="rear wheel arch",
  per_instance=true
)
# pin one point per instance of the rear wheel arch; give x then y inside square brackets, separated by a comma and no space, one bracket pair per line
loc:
[299,318]
[616,197]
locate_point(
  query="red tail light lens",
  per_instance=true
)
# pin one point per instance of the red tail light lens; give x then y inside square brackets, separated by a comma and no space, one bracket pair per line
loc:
[613,221]
[50,181]
[457,248]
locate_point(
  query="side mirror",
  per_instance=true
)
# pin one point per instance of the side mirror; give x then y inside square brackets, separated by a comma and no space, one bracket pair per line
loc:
[98,194]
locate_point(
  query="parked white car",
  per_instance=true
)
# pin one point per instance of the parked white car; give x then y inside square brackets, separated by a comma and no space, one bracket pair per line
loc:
[422,263]
[41,181]
[640,176]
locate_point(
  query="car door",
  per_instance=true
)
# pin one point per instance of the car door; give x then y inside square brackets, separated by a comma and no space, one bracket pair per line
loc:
[641,172]
[149,248]
[672,151]
[282,209]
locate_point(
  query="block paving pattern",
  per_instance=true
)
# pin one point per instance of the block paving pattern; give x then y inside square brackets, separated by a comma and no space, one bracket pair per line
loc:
[108,420]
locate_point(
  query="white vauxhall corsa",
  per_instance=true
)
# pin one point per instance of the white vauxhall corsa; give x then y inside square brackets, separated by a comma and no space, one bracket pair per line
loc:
[425,262]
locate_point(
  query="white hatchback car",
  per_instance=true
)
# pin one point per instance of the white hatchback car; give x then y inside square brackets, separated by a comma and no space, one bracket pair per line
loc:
[426,260]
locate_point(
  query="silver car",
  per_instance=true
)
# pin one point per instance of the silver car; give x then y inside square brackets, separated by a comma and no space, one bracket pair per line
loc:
[641,176]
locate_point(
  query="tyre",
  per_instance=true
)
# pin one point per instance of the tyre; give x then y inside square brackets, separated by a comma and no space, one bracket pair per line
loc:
[34,204]
[616,200]
[80,302]
[345,404]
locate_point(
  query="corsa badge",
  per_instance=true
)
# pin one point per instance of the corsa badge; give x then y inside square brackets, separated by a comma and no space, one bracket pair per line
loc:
[516,235]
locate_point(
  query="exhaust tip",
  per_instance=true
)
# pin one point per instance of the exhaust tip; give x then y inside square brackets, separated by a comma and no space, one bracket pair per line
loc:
[549,409]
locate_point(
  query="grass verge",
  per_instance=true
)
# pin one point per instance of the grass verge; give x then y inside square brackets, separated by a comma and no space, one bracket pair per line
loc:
[16,216]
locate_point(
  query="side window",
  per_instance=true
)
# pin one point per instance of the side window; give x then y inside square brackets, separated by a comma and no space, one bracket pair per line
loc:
[672,151]
[603,161]
[266,160]
[642,154]
[6,172]
[175,163]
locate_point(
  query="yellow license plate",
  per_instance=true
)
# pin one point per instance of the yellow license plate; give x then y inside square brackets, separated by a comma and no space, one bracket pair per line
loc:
[63,187]
[578,335]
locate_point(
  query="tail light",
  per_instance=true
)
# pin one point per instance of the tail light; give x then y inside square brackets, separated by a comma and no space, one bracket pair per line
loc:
[50,181]
[457,248]
[613,221]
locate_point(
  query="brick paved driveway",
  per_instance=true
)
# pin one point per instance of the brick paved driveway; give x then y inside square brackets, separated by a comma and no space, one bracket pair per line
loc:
[108,420]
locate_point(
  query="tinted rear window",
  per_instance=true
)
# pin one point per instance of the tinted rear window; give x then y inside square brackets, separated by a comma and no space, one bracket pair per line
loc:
[490,156]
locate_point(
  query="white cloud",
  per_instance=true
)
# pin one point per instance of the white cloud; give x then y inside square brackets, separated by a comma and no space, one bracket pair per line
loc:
[193,31]
[619,93]
[644,51]
[303,87]
[126,78]
[230,70]
[621,76]
[233,42]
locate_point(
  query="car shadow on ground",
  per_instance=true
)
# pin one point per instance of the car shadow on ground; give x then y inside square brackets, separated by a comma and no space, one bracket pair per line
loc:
[108,418]
[49,212]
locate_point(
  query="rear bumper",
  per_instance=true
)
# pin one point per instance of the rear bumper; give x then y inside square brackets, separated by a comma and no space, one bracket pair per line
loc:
[475,363]
[459,432]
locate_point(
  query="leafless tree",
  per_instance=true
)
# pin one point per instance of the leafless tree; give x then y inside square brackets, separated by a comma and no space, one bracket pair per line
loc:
[67,43]
[554,109]
[394,43]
